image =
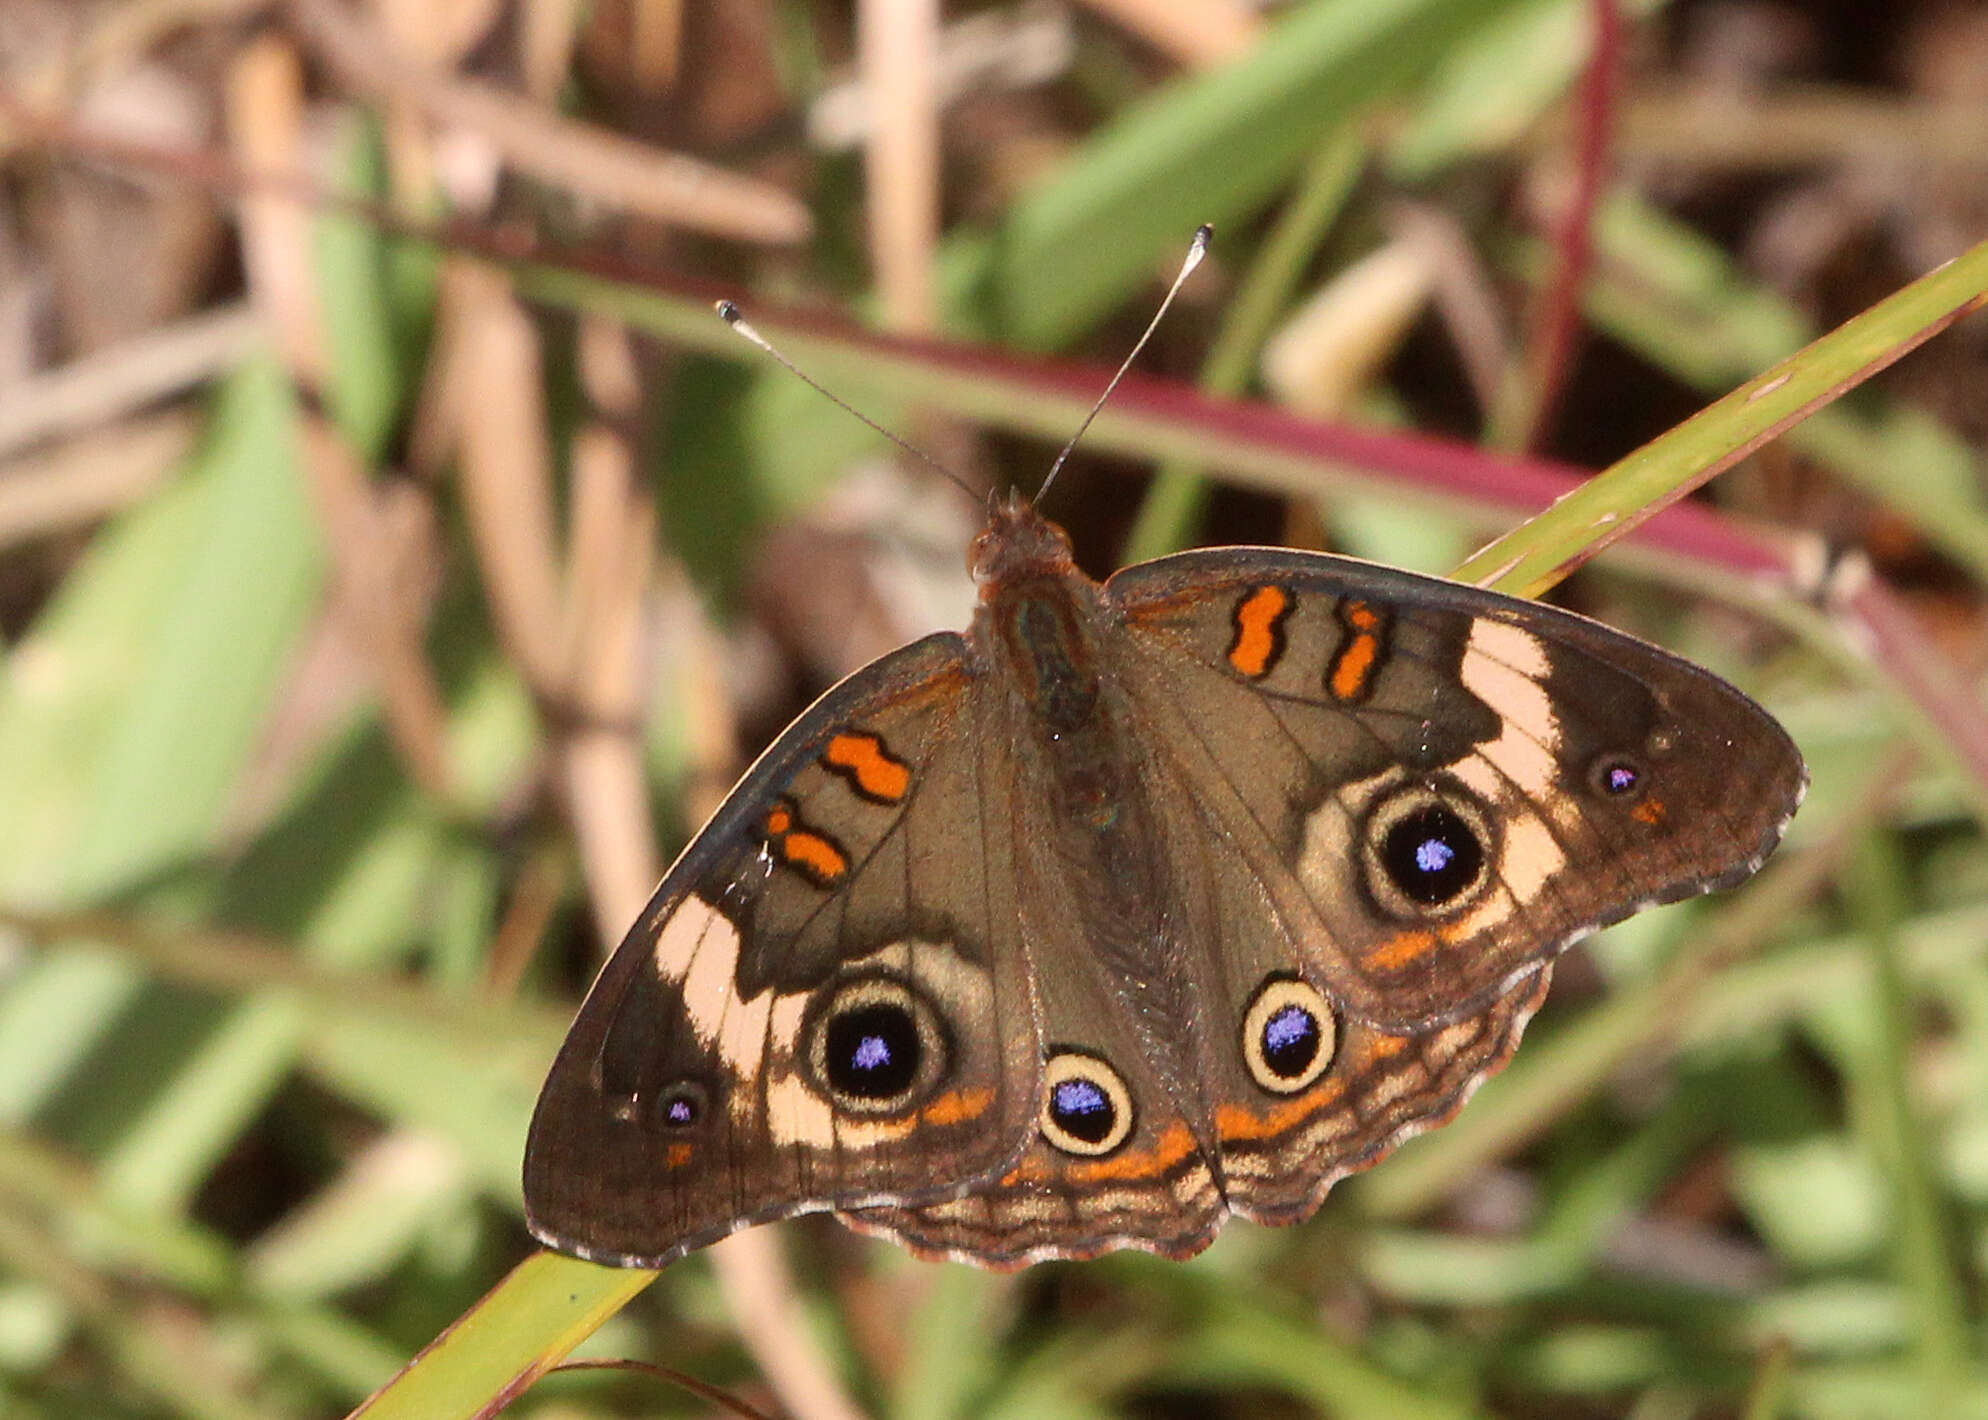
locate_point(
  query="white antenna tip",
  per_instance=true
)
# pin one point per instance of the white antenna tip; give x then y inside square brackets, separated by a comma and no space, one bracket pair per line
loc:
[728,312]
[1198,248]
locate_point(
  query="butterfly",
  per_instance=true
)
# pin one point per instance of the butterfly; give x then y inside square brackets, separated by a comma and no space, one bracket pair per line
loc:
[1139,904]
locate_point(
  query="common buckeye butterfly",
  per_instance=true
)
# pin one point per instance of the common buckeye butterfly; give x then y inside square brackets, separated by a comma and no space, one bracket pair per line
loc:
[1136,905]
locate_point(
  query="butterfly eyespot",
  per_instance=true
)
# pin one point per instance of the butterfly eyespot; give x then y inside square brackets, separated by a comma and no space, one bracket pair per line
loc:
[1288,1035]
[1428,851]
[682,1106]
[1617,776]
[1086,1108]
[875,1046]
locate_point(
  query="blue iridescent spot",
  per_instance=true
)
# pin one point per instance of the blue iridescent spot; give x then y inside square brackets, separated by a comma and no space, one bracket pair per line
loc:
[1432,855]
[872,1053]
[682,1106]
[1291,1026]
[1621,778]
[1291,1041]
[1077,1098]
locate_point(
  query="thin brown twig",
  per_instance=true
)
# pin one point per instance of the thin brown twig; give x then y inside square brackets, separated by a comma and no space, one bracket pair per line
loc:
[1796,125]
[92,475]
[111,384]
[232,962]
[704,1390]
[609,167]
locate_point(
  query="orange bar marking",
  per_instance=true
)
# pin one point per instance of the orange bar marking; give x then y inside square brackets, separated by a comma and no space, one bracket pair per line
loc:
[1353,668]
[1235,1122]
[1386,1047]
[1400,950]
[957,1106]
[1258,636]
[1650,811]
[863,758]
[1355,664]
[810,851]
[678,1155]
[1175,1144]
[779,819]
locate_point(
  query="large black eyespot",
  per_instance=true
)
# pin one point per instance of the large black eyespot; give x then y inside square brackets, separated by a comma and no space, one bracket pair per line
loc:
[1428,851]
[876,1046]
[1086,1108]
[1288,1035]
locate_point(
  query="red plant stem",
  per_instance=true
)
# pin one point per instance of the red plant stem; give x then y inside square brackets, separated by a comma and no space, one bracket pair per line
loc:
[1238,433]
[1557,324]
[1882,626]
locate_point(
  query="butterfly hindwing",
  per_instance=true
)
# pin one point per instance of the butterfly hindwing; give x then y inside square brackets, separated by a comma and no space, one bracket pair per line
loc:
[822,1005]
[1255,1104]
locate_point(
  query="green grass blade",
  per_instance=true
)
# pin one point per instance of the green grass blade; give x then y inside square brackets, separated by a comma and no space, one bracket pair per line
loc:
[522,1328]
[1535,556]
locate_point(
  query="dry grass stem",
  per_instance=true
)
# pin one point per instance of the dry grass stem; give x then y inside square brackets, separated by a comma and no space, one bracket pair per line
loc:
[547,32]
[505,457]
[91,475]
[111,384]
[898,44]
[265,98]
[981,54]
[1201,35]
[756,1282]
[619,172]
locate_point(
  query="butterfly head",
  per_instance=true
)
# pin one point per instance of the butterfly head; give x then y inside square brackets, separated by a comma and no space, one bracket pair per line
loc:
[1017,544]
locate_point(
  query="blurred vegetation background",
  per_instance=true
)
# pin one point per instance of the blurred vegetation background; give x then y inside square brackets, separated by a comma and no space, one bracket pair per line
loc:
[379,613]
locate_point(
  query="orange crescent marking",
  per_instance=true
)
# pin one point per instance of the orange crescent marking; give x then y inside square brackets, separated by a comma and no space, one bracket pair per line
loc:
[876,773]
[815,853]
[1256,630]
[1650,811]
[957,1106]
[1172,1146]
[1400,950]
[1235,1122]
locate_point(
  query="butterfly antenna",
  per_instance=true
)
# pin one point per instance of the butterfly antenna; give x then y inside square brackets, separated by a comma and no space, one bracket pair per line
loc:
[729,313]
[1196,249]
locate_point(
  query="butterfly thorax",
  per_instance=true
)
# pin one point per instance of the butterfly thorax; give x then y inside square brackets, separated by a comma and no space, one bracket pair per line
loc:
[1043,628]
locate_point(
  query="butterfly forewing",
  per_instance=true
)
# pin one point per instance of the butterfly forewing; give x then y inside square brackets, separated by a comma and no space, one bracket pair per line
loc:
[1440,788]
[822,1005]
